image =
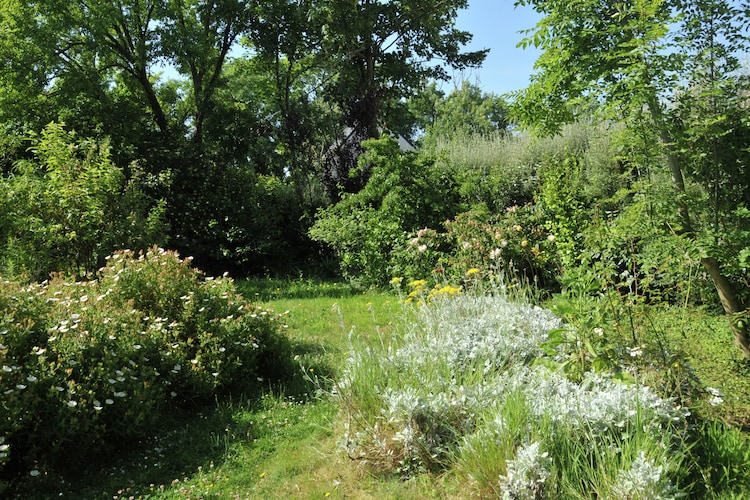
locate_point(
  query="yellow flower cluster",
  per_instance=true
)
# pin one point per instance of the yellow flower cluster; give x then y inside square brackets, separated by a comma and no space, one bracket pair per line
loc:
[420,293]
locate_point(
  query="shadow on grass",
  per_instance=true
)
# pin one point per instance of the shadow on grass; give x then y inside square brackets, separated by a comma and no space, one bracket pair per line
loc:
[267,289]
[183,451]
[184,442]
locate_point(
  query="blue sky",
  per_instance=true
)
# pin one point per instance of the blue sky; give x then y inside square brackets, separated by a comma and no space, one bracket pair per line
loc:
[495,25]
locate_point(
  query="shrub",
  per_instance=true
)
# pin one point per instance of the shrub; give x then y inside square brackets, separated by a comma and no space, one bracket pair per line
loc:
[405,192]
[514,245]
[90,365]
[70,206]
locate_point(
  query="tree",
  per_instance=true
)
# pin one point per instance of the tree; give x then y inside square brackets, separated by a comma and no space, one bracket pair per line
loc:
[636,58]
[89,46]
[377,54]
[466,111]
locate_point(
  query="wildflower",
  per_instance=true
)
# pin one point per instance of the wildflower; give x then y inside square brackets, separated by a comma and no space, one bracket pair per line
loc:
[524,243]
[551,238]
[34,473]
[716,396]
[518,227]
[72,403]
[473,270]
[635,351]
[495,254]
[422,248]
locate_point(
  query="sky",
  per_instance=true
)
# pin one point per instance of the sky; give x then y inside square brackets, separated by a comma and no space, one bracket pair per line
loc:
[495,25]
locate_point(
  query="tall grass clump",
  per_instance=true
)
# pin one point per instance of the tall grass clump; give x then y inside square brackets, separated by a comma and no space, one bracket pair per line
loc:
[88,367]
[468,384]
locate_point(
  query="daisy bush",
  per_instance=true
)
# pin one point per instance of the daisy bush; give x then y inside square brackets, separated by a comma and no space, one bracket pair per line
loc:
[90,365]
[468,383]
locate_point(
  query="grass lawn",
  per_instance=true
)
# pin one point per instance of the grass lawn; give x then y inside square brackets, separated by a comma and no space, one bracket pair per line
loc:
[285,444]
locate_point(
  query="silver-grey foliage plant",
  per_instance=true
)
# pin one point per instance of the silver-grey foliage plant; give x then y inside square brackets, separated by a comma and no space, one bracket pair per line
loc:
[416,400]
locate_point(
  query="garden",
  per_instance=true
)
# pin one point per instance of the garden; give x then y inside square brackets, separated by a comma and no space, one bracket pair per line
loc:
[255,250]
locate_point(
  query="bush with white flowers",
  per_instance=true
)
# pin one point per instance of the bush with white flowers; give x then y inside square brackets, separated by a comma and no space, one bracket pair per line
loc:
[88,363]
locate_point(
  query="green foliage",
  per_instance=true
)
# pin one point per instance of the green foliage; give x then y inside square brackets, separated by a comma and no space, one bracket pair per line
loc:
[669,72]
[404,192]
[503,170]
[234,219]
[88,363]
[465,112]
[70,206]
[561,198]
[513,246]
[723,454]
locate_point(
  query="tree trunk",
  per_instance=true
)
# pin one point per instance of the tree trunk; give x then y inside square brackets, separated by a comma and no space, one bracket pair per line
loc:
[731,305]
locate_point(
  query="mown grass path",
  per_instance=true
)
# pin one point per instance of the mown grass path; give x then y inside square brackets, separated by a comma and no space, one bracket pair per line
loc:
[283,445]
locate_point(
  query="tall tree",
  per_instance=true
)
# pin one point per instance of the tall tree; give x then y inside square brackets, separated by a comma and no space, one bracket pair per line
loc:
[130,41]
[379,53]
[636,57]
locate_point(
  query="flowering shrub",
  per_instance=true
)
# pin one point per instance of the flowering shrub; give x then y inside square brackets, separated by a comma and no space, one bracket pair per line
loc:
[88,362]
[464,381]
[514,245]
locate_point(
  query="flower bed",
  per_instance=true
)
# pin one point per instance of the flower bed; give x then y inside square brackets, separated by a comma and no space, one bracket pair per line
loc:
[469,385]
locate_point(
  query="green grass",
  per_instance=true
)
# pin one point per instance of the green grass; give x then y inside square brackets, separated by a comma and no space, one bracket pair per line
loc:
[282,446]
[285,445]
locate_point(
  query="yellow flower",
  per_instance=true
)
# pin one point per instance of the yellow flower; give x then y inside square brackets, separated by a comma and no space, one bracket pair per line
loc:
[524,243]
[473,270]
[417,283]
[396,280]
